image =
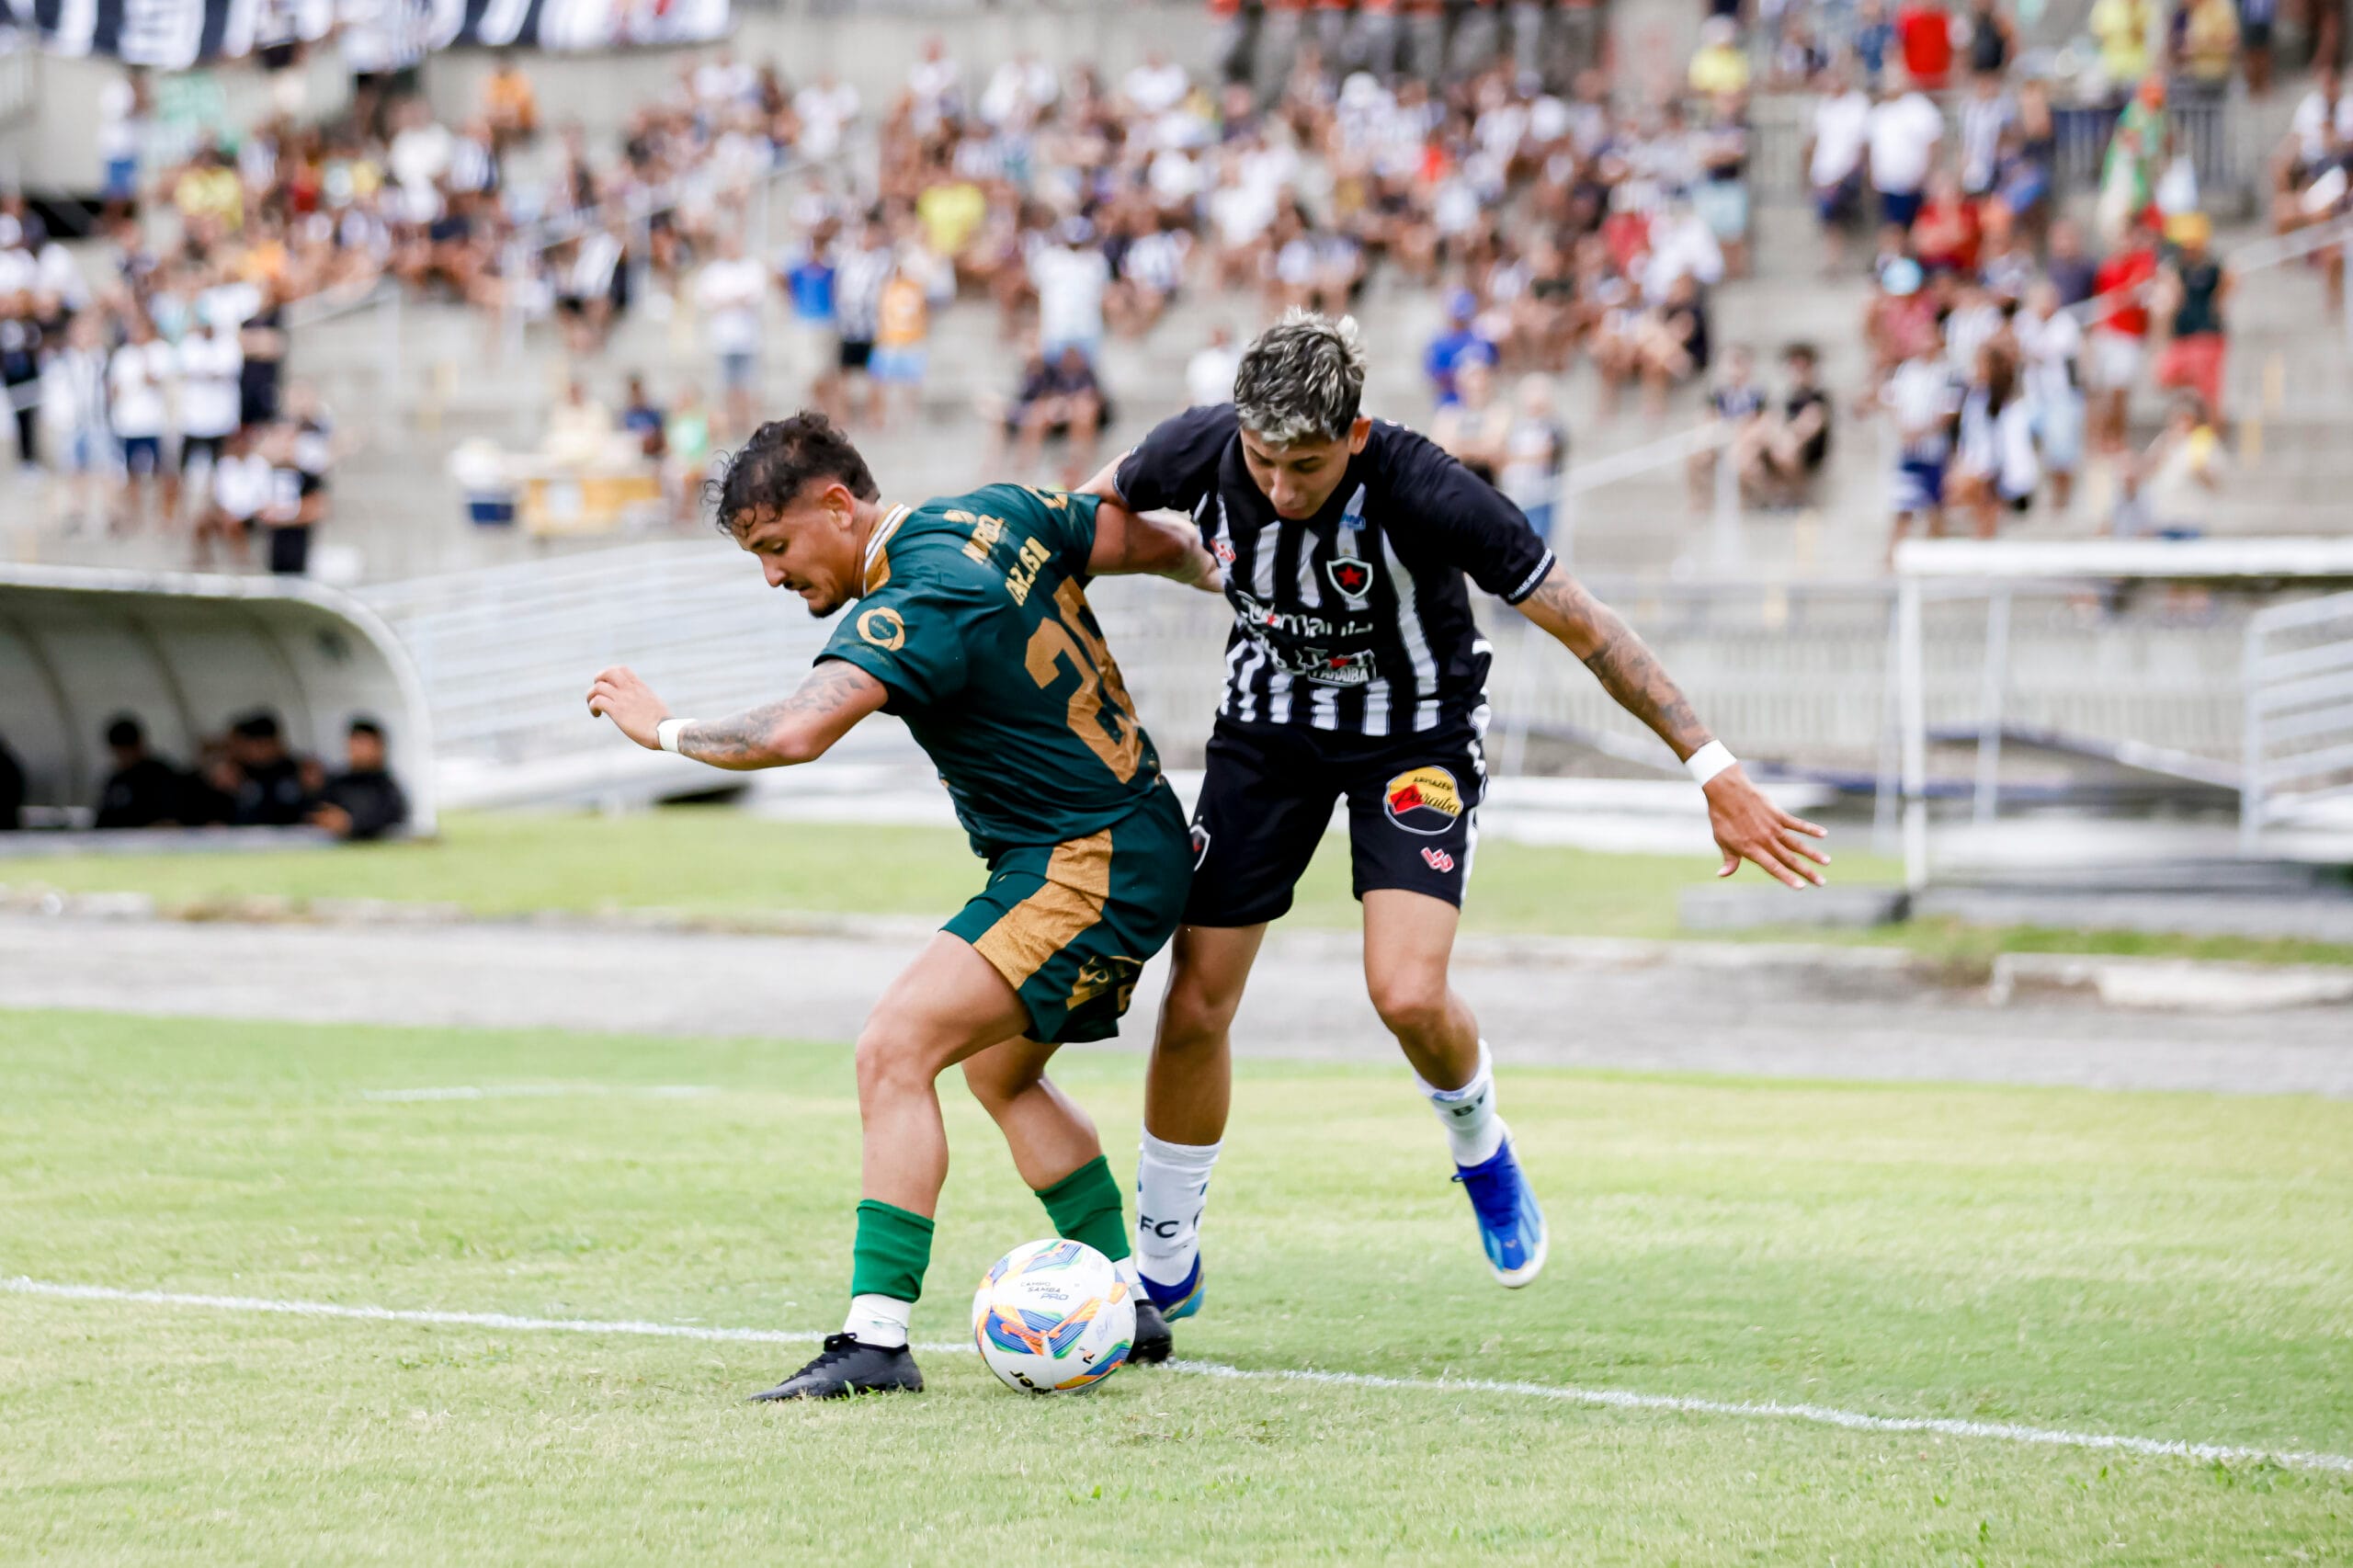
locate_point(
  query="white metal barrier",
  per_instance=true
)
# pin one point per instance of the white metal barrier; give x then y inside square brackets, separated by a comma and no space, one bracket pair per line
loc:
[2299,760]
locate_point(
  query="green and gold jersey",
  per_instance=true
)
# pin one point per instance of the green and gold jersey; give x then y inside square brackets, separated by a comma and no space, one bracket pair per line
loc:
[974,616]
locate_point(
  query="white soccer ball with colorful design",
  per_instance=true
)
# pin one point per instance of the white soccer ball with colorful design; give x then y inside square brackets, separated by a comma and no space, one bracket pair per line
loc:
[1054,1317]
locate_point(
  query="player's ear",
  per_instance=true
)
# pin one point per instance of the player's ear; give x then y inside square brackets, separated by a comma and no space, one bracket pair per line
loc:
[1358,434]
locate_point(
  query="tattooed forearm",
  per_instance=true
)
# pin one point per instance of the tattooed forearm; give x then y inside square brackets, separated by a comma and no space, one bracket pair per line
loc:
[1628,670]
[1632,675]
[794,729]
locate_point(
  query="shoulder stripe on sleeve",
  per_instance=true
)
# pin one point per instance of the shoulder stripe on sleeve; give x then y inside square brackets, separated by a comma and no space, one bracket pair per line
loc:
[1528,584]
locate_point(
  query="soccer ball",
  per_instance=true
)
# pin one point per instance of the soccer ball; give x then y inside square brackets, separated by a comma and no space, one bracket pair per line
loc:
[1052,1317]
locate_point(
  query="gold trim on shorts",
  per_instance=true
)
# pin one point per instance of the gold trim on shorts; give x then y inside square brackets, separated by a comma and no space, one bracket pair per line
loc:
[1078,883]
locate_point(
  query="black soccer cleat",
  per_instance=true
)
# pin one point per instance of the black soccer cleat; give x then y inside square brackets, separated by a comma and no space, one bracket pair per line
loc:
[1155,1340]
[846,1366]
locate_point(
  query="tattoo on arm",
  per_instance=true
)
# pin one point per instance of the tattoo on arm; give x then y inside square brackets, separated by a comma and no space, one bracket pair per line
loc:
[758,737]
[1627,669]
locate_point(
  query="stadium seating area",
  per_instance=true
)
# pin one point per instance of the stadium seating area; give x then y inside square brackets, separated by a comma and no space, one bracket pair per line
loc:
[1555,216]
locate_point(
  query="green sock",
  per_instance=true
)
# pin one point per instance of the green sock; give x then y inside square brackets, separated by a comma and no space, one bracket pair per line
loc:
[1085,1207]
[892,1249]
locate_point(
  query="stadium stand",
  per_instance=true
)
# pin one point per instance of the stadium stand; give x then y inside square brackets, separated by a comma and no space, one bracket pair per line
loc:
[539,312]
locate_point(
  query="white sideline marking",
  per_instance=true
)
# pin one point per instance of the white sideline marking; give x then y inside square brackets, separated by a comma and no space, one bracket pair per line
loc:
[534,1091]
[1611,1399]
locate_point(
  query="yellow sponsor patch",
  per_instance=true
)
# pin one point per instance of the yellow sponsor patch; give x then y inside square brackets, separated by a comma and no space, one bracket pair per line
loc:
[1425,801]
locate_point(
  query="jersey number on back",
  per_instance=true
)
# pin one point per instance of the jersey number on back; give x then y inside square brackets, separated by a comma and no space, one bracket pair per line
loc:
[1067,637]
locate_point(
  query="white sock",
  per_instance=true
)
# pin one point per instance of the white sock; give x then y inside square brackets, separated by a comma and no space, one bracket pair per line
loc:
[1474,1130]
[878,1320]
[1171,1190]
[1128,1274]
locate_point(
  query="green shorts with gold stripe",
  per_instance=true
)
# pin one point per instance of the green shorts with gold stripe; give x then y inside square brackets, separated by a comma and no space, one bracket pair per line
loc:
[1071,926]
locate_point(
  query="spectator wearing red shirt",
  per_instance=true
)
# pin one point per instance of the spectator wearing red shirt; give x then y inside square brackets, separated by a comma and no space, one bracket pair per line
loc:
[1945,235]
[2118,337]
[1925,31]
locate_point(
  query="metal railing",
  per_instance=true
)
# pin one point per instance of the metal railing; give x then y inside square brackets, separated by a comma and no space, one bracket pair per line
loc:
[506,652]
[2219,135]
[2298,763]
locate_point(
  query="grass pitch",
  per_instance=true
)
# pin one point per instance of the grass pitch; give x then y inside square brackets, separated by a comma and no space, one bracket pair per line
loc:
[714,861]
[2171,1267]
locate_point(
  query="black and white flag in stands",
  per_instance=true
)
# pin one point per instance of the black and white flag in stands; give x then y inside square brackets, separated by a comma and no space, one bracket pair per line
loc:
[374,34]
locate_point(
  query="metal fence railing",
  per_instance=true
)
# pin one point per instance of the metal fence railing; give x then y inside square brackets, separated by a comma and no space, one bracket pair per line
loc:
[2298,766]
[2219,135]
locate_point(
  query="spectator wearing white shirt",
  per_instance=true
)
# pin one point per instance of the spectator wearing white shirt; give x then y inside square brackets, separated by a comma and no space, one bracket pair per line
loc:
[1209,374]
[211,366]
[1019,91]
[1834,160]
[139,378]
[121,125]
[934,83]
[1156,86]
[1071,276]
[729,293]
[825,108]
[1905,131]
[724,82]
[244,487]
[2052,341]
[1922,399]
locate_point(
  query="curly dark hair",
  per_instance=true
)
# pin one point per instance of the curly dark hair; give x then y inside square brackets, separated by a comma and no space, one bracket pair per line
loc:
[782,457]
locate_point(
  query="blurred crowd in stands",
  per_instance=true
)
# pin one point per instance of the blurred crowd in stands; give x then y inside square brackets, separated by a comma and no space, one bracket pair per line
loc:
[244,778]
[1475,152]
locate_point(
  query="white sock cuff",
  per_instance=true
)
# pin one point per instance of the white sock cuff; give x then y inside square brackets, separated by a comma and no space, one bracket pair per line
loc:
[1195,1157]
[879,1321]
[1484,1075]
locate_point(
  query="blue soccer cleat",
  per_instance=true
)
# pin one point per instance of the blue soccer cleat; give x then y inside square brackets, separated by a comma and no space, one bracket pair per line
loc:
[1181,1300]
[1511,1225]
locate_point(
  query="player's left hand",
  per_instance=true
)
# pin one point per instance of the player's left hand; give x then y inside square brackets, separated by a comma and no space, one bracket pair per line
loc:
[1750,828]
[617,694]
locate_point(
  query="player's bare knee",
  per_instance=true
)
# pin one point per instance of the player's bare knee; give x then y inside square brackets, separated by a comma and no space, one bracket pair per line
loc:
[1411,1005]
[891,1062]
[996,1085]
[1193,1021]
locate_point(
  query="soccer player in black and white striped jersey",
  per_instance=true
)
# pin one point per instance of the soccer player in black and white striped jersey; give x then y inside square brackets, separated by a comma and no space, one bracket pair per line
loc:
[1355,671]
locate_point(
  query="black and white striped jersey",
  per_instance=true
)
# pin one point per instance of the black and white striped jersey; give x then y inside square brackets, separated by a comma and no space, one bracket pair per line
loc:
[1357,620]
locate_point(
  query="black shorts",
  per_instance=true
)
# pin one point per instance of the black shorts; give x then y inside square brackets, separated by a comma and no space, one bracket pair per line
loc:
[1413,806]
[855,353]
[210,446]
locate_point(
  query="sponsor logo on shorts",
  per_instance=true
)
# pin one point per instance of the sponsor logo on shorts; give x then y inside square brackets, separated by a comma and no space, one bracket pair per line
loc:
[1439,860]
[1098,977]
[1425,801]
[1201,844]
[882,627]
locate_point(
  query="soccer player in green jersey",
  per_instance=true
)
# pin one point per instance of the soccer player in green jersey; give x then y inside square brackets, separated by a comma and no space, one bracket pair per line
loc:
[970,624]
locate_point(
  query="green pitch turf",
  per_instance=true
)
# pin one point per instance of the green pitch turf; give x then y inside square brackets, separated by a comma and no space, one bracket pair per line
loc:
[713,861]
[2171,1267]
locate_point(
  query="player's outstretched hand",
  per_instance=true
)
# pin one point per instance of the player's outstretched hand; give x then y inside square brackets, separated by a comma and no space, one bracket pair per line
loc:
[617,694]
[1750,828]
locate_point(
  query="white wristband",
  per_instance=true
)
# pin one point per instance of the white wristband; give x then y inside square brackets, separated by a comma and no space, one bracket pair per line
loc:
[665,734]
[1709,761]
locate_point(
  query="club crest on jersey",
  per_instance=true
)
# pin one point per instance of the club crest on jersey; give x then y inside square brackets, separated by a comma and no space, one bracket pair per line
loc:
[1425,801]
[1438,859]
[882,627]
[1347,570]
